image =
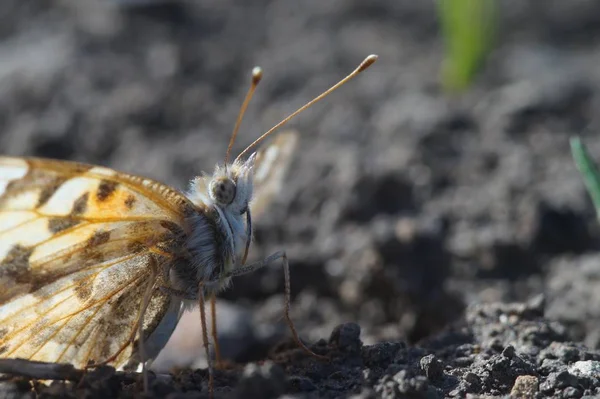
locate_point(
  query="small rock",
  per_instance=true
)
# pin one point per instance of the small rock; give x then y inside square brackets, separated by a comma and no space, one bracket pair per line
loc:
[472,383]
[587,368]
[509,352]
[526,386]
[432,367]
[558,380]
[572,392]
[382,354]
[550,366]
[346,337]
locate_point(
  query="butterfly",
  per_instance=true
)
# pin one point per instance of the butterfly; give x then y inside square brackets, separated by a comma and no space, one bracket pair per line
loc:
[96,265]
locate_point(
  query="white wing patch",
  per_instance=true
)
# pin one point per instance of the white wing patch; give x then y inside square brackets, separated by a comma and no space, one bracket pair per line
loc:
[17,169]
[61,202]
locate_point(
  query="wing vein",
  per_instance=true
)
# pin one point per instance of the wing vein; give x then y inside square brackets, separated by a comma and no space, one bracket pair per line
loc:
[49,338]
[2,232]
[68,316]
[101,266]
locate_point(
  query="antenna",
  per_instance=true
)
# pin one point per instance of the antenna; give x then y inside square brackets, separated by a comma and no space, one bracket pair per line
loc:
[256,77]
[363,65]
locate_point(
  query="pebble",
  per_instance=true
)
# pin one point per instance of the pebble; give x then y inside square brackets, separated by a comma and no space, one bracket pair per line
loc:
[346,337]
[526,386]
[586,368]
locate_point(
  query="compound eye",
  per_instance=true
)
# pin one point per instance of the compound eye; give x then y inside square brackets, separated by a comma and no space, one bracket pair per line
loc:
[223,191]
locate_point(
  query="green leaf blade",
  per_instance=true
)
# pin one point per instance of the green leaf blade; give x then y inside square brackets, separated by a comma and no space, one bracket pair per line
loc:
[588,169]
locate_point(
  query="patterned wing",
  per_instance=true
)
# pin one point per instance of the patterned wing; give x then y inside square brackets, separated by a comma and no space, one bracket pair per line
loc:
[270,169]
[79,246]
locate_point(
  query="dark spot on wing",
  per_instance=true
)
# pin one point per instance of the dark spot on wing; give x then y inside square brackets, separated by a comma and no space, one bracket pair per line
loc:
[173,247]
[120,308]
[16,186]
[80,205]
[99,238]
[56,225]
[83,289]
[172,227]
[135,247]
[34,179]
[48,190]
[94,256]
[106,189]
[16,262]
[130,201]
[3,332]
[3,349]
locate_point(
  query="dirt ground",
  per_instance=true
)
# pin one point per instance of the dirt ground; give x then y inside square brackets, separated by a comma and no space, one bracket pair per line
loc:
[440,245]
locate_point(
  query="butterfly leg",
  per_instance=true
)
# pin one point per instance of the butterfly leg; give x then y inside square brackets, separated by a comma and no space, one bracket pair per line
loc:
[213,312]
[249,268]
[211,382]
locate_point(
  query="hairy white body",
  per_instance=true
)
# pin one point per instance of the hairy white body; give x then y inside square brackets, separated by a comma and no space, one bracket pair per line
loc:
[219,235]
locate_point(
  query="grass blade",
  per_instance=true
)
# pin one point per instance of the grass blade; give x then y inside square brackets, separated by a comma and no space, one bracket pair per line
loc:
[468,27]
[588,169]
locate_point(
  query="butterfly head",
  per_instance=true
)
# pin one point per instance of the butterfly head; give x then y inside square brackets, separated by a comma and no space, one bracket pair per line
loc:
[231,187]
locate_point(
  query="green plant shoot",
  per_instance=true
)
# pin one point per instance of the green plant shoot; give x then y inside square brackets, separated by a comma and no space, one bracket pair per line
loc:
[468,27]
[588,169]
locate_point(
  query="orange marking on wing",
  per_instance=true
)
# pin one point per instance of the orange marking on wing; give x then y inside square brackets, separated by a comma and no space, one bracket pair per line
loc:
[115,203]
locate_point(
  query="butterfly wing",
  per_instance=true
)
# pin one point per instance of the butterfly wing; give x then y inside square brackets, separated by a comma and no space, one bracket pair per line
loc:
[79,247]
[270,168]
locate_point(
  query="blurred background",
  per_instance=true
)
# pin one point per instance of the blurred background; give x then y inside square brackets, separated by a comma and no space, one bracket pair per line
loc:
[439,178]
